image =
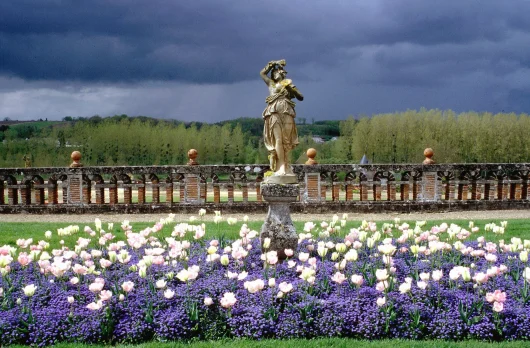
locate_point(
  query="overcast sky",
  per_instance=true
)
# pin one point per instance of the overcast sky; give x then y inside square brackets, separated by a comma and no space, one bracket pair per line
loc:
[200,59]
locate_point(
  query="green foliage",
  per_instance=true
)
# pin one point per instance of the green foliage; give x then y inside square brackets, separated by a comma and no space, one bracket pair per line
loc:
[384,138]
[464,138]
[121,140]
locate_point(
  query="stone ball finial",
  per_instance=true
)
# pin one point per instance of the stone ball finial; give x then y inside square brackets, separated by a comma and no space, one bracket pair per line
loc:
[428,153]
[311,154]
[192,155]
[76,158]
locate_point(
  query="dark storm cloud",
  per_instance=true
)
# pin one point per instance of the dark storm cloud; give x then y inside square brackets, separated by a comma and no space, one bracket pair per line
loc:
[199,60]
[226,41]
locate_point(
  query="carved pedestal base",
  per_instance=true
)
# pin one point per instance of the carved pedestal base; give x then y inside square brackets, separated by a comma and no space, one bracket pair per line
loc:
[278,225]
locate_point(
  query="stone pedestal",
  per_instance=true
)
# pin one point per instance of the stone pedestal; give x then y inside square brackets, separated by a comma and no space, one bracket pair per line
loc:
[278,225]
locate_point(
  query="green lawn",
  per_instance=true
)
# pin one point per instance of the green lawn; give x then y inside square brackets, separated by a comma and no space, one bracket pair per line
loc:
[10,232]
[331,342]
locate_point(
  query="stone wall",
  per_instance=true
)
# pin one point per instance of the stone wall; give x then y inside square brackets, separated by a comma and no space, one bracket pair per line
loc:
[231,188]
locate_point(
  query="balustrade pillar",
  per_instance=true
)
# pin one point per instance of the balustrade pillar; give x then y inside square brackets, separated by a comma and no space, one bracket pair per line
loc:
[141,193]
[450,193]
[415,190]
[429,190]
[312,187]
[463,191]
[73,192]
[25,193]
[2,193]
[504,190]
[204,190]
[87,192]
[192,191]
[516,191]
[479,192]
[12,195]
[169,192]
[404,192]
[258,190]
[335,191]
[100,193]
[391,191]
[312,181]
[349,192]
[64,188]
[363,188]
[244,190]
[155,191]
[127,194]
[377,192]
[75,188]
[39,193]
[216,193]
[182,190]
[323,190]
[113,194]
[230,189]
[492,191]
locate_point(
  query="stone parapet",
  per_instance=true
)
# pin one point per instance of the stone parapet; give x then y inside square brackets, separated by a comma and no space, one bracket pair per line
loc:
[392,187]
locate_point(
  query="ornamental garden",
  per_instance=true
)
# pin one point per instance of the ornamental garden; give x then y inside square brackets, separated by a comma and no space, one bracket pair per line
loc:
[175,281]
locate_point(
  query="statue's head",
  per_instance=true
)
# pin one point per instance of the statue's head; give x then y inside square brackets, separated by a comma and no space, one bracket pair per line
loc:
[278,73]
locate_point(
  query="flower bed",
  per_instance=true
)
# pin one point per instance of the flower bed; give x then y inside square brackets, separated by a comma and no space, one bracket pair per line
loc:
[371,282]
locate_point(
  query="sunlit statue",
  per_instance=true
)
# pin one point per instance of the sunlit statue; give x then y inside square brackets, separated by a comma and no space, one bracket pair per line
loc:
[279,132]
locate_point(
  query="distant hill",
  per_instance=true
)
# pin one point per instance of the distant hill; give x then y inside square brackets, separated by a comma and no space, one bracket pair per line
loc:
[254,126]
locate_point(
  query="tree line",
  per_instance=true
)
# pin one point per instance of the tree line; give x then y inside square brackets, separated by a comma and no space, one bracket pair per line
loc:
[401,137]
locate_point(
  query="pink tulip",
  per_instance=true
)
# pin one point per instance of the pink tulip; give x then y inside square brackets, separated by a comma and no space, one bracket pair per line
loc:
[437,275]
[105,263]
[95,305]
[498,307]
[272,257]
[24,259]
[422,285]
[228,300]
[490,297]
[168,294]
[481,278]
[105,295]
[499,296]
[338,278]
[357,280]
[158,260]
[285,287]
[127,286]
[312,261]
[303,257]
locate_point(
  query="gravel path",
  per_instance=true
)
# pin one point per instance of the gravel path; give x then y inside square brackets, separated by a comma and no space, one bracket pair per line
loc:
[467,215]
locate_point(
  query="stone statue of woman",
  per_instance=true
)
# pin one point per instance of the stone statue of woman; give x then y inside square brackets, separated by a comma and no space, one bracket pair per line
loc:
[279,132]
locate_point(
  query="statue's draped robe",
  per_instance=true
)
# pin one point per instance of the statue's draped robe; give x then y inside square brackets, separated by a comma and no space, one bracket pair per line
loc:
[279,113]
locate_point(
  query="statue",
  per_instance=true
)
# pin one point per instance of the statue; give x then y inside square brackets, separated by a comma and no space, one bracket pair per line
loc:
[27,161]
[279,132]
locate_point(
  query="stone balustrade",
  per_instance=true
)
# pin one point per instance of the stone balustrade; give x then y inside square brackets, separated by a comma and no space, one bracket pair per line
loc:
[236,188]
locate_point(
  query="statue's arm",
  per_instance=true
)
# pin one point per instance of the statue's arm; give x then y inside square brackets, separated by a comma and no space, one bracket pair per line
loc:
[294,91]
[267,69]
